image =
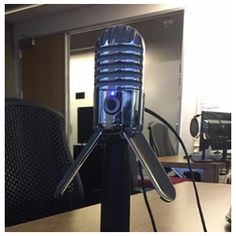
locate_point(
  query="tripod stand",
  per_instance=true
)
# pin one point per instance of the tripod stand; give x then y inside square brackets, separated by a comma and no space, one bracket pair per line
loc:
[116,188]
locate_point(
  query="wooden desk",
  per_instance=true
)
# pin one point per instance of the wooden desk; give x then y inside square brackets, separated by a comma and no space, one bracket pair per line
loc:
[211,169]
[180,215]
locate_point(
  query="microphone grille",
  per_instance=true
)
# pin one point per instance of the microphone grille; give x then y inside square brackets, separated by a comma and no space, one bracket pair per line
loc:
[119,55]
[120,34]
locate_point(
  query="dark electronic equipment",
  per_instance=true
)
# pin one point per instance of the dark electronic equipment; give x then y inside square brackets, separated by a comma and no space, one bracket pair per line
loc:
[85,124]
[215,133]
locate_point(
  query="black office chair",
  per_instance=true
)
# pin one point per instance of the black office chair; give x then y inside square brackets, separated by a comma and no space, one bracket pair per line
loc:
[160,140]
[36,158]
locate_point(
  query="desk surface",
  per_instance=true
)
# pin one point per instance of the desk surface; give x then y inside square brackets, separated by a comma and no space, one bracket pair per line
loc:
[180,215]
[178,159]
[211,169]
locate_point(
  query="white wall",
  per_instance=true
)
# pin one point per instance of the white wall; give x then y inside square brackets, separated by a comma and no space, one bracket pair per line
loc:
[207,62]
[81,80]
[162,67]
[162,92]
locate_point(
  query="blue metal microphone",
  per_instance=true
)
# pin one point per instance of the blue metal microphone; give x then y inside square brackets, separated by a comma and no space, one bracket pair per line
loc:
[118,100]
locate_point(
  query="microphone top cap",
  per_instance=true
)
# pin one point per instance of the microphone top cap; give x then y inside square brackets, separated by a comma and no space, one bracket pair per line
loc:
[120,34]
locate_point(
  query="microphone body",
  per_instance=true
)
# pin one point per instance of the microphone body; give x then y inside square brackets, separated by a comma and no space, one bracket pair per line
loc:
[119,105]
[118,94]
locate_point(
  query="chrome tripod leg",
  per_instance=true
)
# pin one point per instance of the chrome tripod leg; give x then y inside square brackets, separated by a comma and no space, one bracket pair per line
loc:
[152,166]
[74,168]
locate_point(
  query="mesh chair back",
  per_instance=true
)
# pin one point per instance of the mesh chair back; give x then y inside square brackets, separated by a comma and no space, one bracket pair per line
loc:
[160,140]
[36,158]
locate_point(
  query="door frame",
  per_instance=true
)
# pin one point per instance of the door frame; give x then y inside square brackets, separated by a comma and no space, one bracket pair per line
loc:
[67,84]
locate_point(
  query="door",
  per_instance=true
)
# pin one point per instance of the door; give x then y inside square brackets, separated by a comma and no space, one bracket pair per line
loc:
[43,71]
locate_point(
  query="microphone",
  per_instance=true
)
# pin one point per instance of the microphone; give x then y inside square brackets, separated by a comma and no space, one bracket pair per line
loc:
[119,104]
[118,100]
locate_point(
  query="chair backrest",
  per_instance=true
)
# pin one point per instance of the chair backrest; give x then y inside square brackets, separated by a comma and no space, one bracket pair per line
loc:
[36,158]
[160,140]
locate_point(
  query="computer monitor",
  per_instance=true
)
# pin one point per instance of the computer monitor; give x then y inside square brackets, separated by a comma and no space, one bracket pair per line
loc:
[215,132]
[85,124]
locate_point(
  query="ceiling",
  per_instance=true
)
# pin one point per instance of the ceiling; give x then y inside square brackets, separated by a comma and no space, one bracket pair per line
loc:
[17,13]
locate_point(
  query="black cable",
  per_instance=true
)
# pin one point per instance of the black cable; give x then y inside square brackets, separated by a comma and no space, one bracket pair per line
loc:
[145,198]
[189,164]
